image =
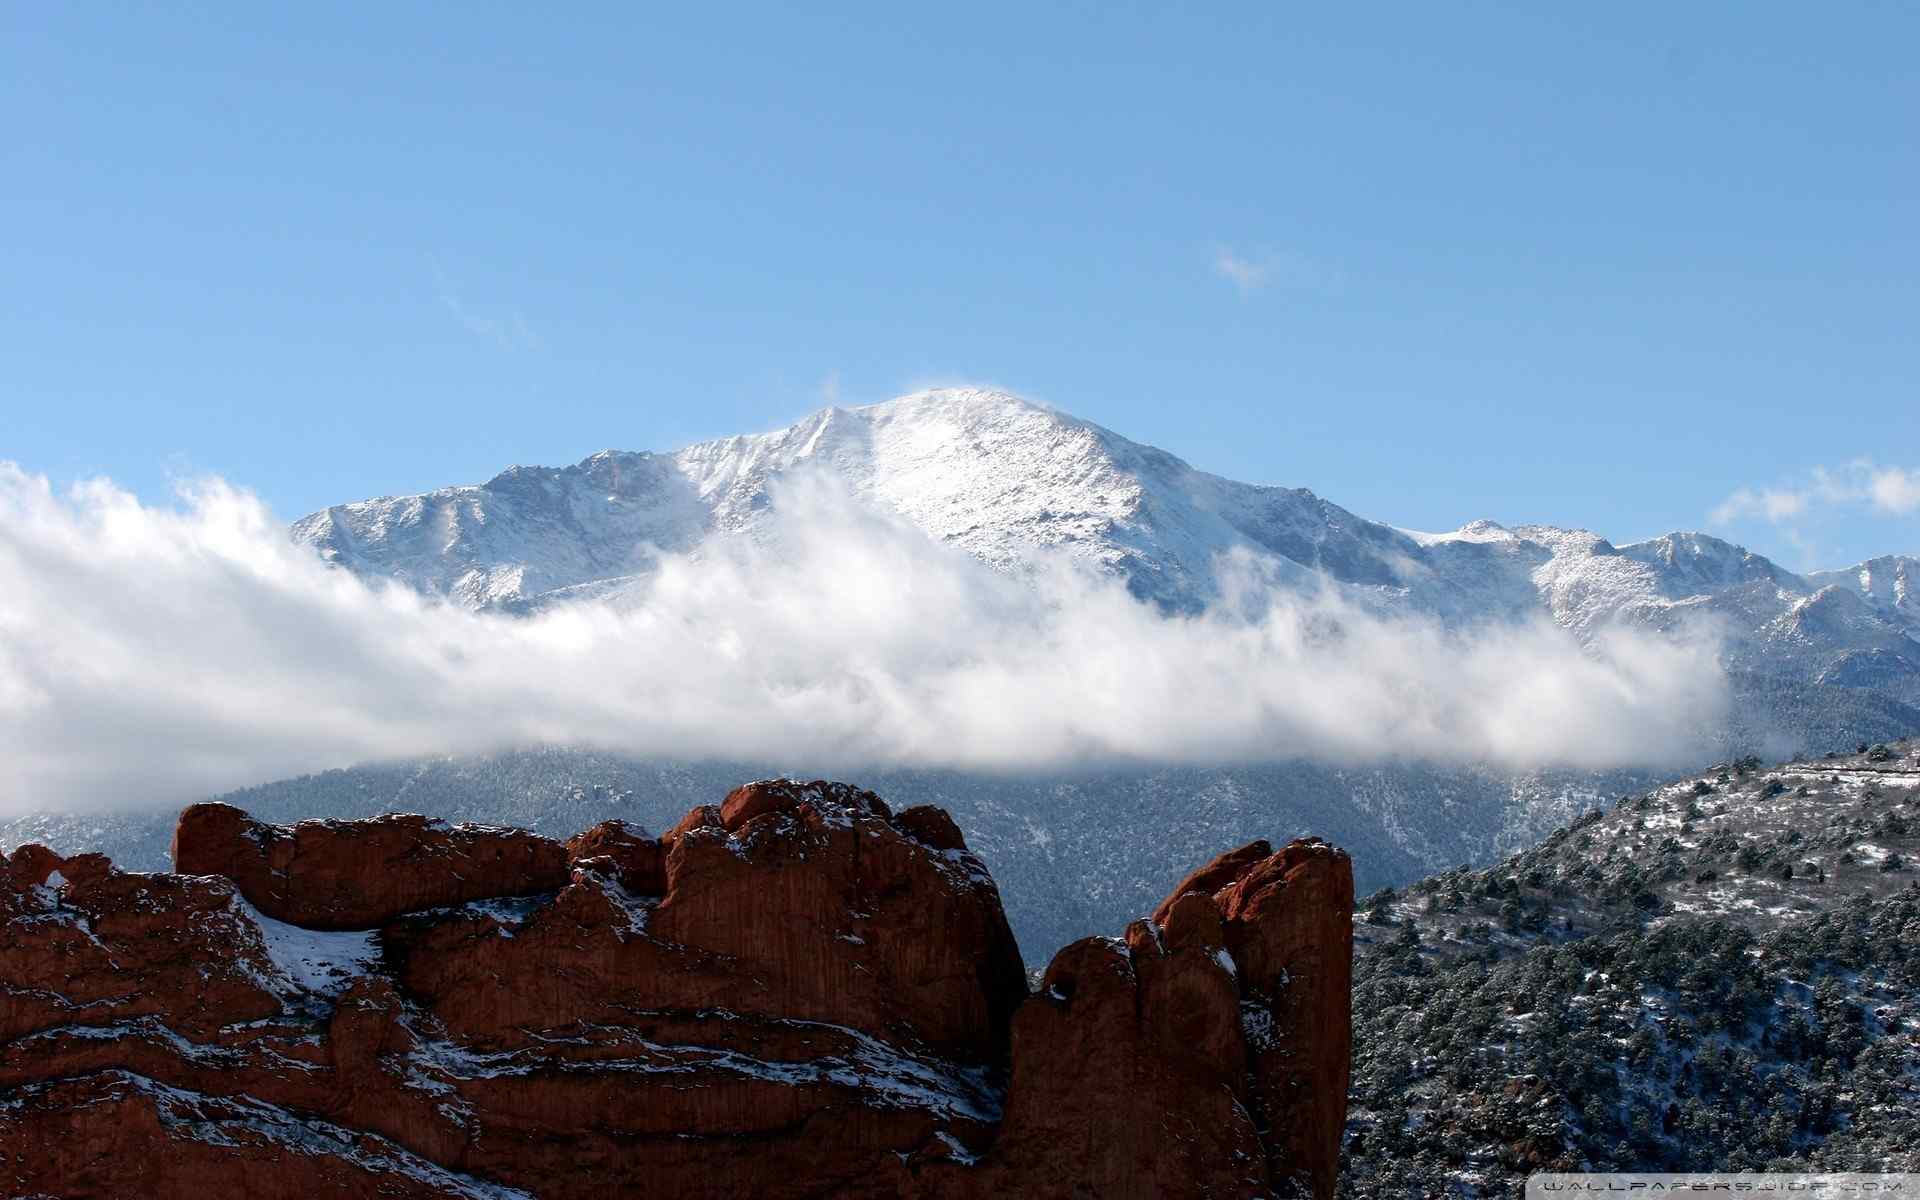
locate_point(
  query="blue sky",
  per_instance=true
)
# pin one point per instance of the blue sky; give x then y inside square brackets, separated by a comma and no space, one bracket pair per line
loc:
[1634,269]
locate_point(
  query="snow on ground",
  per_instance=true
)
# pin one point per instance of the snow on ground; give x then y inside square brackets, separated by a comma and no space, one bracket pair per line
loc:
[882,1073]
[312,960]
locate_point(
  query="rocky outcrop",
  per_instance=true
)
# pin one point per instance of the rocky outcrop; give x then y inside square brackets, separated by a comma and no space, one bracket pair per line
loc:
[1288,922]
[356,874]
[795,992]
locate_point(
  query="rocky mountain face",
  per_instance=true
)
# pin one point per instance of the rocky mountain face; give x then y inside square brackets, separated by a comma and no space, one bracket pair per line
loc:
[1721,973]
[1891,583]
[796,992]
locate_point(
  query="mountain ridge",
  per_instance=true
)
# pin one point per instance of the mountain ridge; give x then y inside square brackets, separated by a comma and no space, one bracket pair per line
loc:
[729,471]
[1007,480]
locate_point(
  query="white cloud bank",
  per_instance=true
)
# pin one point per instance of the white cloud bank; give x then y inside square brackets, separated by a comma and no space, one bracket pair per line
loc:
[157,654]
[1888,490]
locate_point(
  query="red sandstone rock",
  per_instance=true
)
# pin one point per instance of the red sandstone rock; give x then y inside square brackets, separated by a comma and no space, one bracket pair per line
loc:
[358,874]
[118,1134]
[815,908]
[704,816]
[29,866]
[930,826]
[1131,1056]
[1215,875]
[640,860]
[104,947]
[795,993]
[1289,927]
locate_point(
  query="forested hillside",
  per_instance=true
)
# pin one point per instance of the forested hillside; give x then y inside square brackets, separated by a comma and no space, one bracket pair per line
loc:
[1723,973]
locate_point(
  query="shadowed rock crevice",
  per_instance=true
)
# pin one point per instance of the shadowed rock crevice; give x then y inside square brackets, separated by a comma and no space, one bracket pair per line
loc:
[796,992]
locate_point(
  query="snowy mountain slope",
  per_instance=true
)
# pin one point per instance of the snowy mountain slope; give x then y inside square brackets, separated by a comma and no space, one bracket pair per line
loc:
[983,471]
[1891,582]
[1000,477]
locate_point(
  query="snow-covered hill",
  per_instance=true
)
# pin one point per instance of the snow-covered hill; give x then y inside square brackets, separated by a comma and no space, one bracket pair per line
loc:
[1001,477]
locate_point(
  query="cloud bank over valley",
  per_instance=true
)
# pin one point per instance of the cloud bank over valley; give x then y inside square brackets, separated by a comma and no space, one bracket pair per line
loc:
[157,654]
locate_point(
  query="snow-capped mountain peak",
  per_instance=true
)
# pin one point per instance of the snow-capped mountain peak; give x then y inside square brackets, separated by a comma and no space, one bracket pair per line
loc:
[1891,582]
[1481,530]
[983,470]
[1004,478]
[1697,563]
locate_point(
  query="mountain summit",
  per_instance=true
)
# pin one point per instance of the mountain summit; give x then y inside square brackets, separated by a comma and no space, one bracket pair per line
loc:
[987,471]
[1825,657]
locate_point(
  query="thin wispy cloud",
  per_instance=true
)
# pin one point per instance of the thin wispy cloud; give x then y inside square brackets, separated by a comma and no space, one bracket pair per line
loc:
[1861,484]
[1247,274]
[157,654]
[1279,270]
[508,330]
[1773,504]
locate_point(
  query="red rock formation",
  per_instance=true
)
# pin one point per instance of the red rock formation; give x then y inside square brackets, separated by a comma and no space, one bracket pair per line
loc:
[793,993]
[1289,926]
[638,860]
[1212,877]
[89,946]
[356,874]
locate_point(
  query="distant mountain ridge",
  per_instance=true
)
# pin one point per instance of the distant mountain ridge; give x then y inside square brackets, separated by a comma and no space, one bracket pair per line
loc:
[1817,662]
[1000,477]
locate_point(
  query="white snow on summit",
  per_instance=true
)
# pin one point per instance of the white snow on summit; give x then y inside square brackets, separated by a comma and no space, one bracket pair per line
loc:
[1473,531]
[1001,478]
[984,471]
